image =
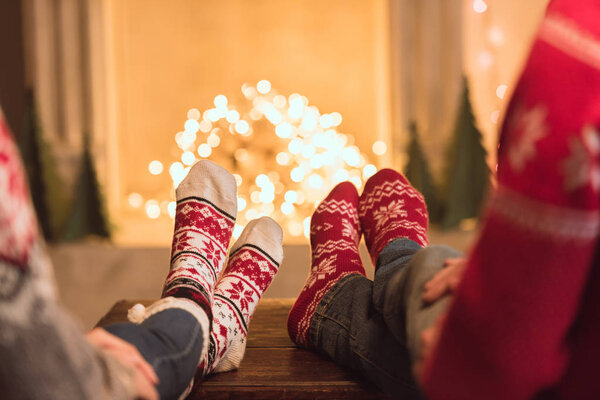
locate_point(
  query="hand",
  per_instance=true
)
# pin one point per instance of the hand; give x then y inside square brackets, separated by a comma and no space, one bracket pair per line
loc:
[429,339]
[145,378]
[446,280]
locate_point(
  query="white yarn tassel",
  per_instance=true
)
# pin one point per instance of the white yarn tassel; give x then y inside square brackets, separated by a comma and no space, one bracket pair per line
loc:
[137,314]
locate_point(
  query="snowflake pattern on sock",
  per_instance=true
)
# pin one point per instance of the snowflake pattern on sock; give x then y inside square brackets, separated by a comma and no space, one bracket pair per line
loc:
[202,232]
[204,221]
[253,263]
[334,237]
[391,208]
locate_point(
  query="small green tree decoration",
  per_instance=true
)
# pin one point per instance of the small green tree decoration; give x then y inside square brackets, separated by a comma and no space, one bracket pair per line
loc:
[467,172]
[46,188]
[417,172]
[88,214]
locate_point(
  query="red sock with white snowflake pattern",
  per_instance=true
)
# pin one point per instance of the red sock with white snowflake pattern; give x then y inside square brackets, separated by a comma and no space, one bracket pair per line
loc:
[390,208]
[204,220]
[253,262]
[334,237]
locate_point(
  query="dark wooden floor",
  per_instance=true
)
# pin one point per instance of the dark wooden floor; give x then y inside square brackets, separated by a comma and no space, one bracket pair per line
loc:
[273,367]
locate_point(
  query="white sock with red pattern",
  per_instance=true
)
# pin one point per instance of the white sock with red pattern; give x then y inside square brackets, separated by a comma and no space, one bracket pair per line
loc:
[253,262]
[204,220]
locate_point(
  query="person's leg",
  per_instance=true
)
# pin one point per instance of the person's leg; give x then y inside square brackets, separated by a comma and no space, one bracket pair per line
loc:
[359,323]
[204,220]
[172,334]
[342,322]
[348,329]
[389,209]
[334,237]
[399,286]
[374,328]
[171,341]
[394,218]
[392,259]
[253,262]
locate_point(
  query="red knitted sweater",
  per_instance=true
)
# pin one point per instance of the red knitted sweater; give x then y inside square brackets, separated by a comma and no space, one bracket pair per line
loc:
[525,321]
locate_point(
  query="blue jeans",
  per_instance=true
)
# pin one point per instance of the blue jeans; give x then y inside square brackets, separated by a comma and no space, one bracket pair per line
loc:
[171,342]
[373,327]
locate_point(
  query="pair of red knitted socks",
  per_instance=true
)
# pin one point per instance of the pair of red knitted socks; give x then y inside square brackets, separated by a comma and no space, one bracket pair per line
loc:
[388,208]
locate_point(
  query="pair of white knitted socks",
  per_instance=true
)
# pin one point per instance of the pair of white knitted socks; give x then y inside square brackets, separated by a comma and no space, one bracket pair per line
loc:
[204,221]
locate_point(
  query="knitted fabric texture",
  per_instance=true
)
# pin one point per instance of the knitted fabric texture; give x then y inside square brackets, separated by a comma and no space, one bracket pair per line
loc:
[524,320]
[204,220]
[253,262]
[390,208]
[44,353]
[334,237]
[18,224]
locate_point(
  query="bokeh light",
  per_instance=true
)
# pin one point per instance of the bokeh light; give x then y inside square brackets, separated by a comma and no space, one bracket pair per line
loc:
[479,6]
[379,148]
[285,155]
[155,167]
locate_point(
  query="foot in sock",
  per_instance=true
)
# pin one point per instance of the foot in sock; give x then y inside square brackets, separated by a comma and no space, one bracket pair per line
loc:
[334,237]
[253,262]
[204,220]
[390,208]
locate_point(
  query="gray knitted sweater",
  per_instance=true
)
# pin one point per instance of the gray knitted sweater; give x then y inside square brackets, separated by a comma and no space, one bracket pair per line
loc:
[43,353]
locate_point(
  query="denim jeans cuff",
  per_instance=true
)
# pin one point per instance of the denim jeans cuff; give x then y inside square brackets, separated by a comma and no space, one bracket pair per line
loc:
[323,306]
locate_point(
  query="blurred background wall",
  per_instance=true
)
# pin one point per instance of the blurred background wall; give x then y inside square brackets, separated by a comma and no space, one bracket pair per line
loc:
[127,72]
[12,70]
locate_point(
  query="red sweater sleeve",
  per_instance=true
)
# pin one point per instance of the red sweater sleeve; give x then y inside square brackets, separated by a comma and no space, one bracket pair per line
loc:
[505,333]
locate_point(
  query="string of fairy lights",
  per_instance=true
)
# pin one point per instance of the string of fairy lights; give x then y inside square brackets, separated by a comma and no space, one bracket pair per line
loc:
[283,152]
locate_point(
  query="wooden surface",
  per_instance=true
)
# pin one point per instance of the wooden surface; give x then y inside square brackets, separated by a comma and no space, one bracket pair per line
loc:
[273,367]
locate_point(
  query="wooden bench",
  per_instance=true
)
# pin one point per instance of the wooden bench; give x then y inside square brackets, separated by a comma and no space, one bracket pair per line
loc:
[273,367]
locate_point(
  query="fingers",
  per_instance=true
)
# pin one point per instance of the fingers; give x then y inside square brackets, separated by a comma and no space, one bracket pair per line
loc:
[123,351]
[453,261]
[145,379]
[436,287]
[135,360]
[446,280]
[97,336]
[101,338]
[145,389]
[453,282]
